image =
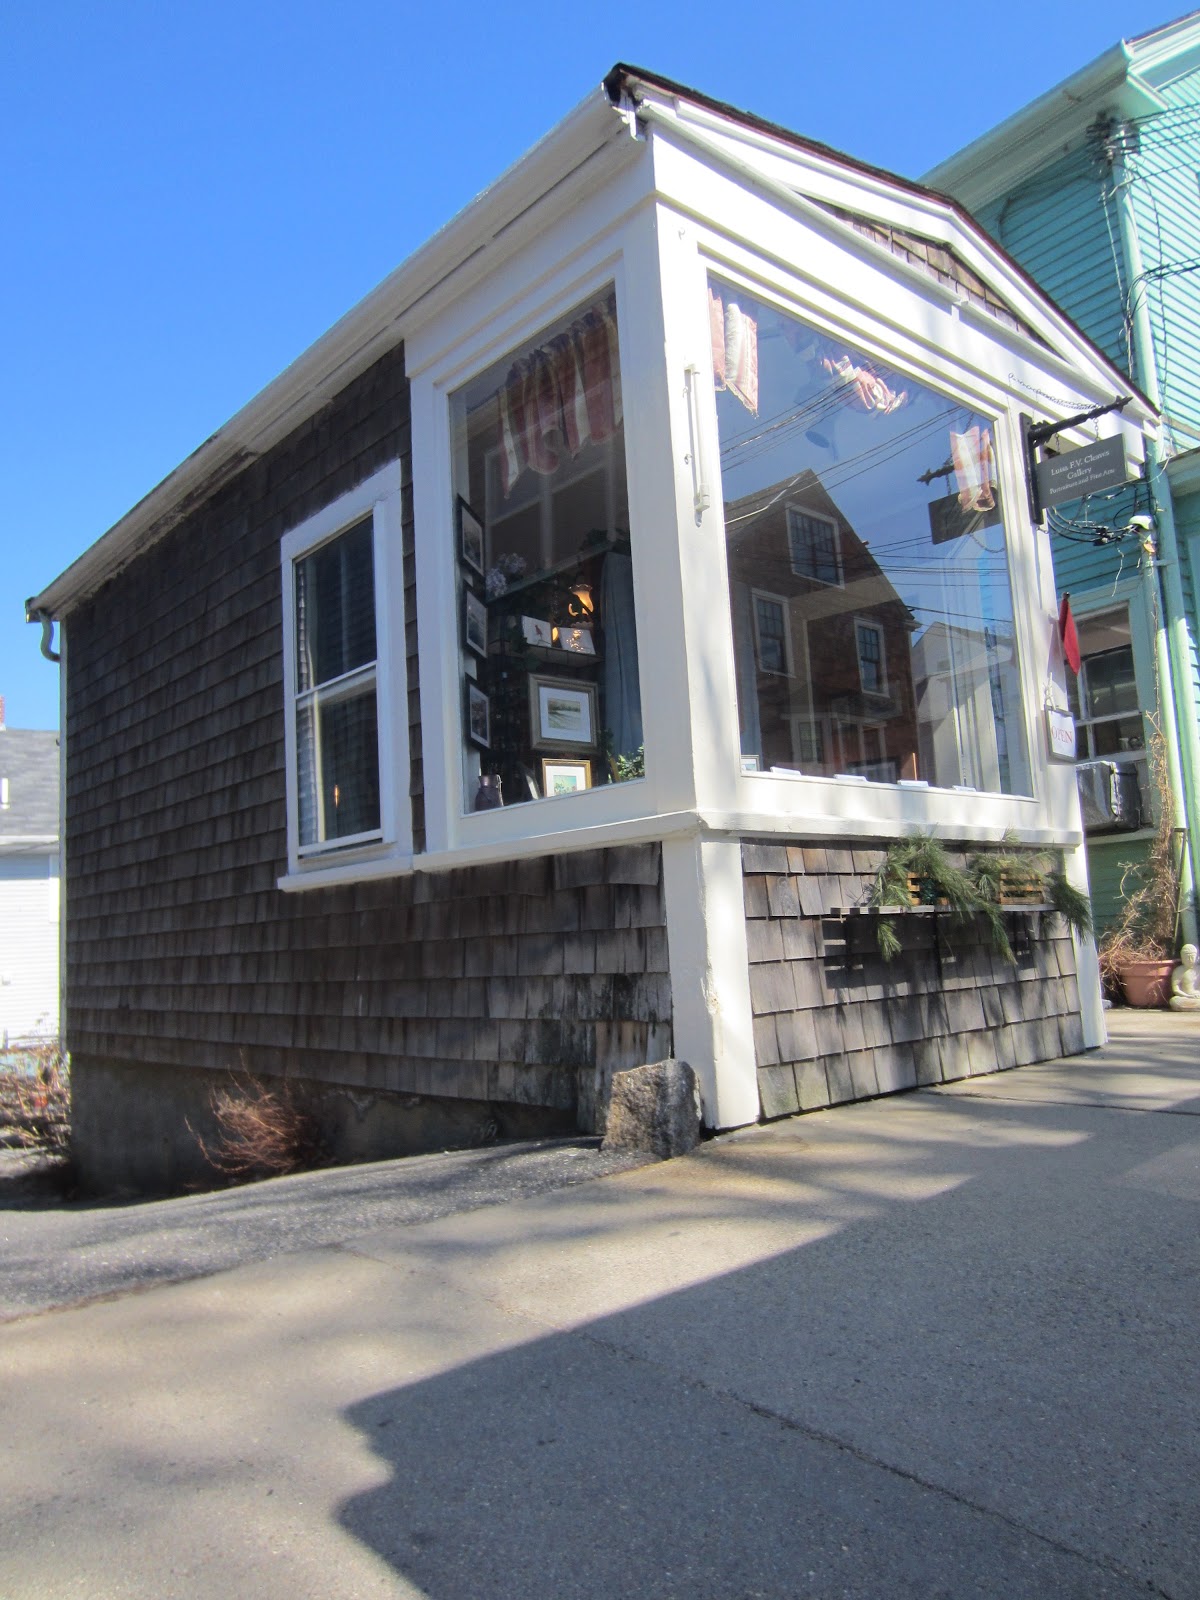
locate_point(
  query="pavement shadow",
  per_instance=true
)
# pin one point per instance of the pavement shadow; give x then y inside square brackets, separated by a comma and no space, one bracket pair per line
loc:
[970,1384]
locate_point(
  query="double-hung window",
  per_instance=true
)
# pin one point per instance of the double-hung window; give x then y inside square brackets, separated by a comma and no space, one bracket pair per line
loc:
[872,673]
[340,571]
[813,542]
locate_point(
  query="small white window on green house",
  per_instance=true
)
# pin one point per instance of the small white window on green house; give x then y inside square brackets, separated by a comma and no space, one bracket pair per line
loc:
[1105,699]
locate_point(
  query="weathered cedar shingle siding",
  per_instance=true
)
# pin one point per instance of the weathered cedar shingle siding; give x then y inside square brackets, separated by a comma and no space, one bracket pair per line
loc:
[490,983]
[833,1021]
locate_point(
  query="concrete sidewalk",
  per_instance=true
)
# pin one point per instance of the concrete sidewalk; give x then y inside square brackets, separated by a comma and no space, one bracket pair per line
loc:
[938,1345]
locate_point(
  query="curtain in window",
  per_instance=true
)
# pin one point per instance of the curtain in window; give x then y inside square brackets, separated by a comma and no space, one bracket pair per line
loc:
[974,468]
[734,350]
[560,397]
[622,685]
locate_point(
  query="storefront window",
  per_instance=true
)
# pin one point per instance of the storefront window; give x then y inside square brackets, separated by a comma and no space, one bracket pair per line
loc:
[868,572]
[549,660]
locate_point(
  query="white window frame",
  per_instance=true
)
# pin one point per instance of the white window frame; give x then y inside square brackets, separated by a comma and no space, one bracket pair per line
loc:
[816,516]
[955,370]
[881,693]
[1087,604]
[781,601]
[498,317]
[388,848]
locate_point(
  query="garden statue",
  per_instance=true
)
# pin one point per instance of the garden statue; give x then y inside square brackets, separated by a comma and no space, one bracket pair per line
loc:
[1185,982]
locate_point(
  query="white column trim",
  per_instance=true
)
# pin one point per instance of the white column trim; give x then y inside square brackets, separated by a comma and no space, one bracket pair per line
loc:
[710,975]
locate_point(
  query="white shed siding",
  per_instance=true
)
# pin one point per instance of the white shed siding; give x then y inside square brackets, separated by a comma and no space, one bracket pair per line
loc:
[29,909]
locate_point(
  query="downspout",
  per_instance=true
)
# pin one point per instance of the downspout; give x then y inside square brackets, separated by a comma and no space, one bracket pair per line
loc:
[1181,724]
[39,614]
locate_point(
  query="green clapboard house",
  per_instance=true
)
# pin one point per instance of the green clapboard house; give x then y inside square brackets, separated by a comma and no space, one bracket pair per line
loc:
[1094,188]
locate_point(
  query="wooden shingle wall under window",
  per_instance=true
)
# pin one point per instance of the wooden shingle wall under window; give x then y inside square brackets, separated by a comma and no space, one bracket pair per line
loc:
[833,1021]
[526,982]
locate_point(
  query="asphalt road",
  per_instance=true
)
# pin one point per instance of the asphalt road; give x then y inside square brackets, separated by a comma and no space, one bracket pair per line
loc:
[55,1253]
[938,1347]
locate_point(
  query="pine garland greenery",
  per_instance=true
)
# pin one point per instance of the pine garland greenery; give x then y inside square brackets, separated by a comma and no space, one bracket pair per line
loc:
[976,890]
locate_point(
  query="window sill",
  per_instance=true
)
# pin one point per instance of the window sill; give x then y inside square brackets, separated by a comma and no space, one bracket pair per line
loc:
[633,830]
[355,867]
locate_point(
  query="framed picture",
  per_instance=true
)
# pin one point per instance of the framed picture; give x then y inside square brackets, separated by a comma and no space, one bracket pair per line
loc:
[479,717]
[536,631]
[475,620]
[470,537]
[562,712]
[565,777]
[578,640]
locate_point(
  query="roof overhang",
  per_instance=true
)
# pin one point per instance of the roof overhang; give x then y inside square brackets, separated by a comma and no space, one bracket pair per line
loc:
[590,142]
[811,176]
[589,145]
[1056,121]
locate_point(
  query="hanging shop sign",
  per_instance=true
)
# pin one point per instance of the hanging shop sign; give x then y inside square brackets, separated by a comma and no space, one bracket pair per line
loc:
[1060,728]
[1086,470]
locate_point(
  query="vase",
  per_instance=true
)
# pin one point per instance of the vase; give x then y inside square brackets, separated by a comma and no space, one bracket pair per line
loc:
[1146,983]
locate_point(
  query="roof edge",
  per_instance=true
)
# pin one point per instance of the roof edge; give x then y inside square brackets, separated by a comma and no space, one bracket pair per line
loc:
[623,81]
[1014,148]
[357,338]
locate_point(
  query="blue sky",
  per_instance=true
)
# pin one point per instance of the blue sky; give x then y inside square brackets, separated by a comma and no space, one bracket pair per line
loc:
[193,193]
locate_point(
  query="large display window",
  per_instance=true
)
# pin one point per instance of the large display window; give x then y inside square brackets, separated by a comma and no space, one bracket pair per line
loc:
[868,572]
[548,641]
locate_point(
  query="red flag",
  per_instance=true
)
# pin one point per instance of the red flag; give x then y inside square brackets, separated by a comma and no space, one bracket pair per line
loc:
[1066,632]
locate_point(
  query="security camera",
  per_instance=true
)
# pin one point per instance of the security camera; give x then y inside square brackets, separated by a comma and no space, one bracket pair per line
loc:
[1141,523]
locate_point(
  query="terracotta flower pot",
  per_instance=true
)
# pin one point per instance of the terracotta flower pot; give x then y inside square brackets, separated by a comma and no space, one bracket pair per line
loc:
[1146,983]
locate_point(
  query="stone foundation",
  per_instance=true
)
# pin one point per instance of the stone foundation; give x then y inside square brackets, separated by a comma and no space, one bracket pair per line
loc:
[136,1126]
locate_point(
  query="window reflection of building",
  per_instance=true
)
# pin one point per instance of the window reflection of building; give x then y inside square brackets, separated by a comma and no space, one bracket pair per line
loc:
[869,506]
[815,713]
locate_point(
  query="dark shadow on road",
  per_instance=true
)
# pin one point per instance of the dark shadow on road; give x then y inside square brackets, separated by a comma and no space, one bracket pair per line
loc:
[968,1383]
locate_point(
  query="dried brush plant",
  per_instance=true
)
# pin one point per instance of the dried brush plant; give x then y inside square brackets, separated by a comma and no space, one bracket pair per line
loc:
[35,1100]
[264,1131]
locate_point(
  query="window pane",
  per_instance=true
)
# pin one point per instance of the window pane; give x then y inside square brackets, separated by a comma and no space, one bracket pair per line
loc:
[337,745]
[335,608]
[545,568]
[869,505]
[1110,687]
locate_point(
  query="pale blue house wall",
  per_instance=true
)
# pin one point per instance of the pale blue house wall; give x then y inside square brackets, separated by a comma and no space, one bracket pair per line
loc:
[1062,223]
[1058,227]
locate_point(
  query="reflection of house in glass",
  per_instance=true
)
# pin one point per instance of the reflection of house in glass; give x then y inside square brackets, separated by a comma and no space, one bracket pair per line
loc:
[822,639]
[959,673]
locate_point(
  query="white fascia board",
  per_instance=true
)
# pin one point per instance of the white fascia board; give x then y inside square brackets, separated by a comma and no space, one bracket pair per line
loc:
[1167,53]
[548,178]
[1044,130]
[809,182]
[689,176]
[1183,472]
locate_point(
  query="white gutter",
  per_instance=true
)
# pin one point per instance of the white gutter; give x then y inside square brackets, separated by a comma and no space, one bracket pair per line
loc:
[373,326]
[1000,158]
